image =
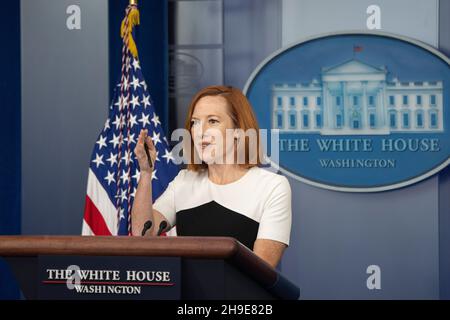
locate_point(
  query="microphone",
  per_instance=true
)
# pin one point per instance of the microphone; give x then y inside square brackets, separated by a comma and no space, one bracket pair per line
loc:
[147,226]
[162,227]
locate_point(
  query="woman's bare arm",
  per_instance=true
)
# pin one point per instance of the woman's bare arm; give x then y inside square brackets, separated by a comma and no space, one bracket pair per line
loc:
[270,251]
[142,209]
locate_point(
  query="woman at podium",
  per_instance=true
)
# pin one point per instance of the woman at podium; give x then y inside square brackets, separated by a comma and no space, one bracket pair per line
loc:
[221,192]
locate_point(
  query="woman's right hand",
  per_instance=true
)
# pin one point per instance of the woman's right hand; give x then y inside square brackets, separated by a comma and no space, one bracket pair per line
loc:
[141,156]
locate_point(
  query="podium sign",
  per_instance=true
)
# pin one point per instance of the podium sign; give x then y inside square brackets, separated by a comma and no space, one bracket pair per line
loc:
[191,268]
[109,277]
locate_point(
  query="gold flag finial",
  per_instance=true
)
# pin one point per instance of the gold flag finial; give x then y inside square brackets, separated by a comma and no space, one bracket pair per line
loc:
[133,2]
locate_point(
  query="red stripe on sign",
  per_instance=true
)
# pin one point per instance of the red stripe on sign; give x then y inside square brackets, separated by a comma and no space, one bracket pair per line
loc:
[94,219]
[167,284]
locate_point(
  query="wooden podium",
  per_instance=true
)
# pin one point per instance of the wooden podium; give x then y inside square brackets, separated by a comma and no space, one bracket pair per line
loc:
[210,267]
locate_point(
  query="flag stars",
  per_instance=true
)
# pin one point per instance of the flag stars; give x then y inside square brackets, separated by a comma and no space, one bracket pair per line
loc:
[155,120]
[125,102]
[168,155]
[128,64]
[101,142]
[119,102]
[112,159]
[136,84]
[136,64]
[117,122]
[137,175]
[155,138]
[107,125]
[133,194]
[146,101]
[98,160]
[121,215]
[135,101]
[144,85]
[121,142]
[124,177]
[131,139]
[123,195]
[144,120]
[125,84]
[115,140]
[127,157]
[110,177]
[154,175]
[132,120]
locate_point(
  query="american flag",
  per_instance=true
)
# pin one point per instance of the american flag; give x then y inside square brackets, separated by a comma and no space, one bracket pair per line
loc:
[114,171]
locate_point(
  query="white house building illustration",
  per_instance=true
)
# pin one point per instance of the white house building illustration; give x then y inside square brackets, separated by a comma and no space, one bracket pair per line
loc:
[357,98]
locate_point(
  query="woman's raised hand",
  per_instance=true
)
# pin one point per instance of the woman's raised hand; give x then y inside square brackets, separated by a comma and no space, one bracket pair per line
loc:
[139,150]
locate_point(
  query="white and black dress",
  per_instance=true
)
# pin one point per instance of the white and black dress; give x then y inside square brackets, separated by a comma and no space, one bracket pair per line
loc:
[257,206]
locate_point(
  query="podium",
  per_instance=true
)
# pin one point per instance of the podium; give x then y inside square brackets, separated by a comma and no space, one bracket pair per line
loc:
[126,267]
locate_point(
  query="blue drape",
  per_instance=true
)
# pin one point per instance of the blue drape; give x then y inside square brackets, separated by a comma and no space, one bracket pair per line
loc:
[10,163]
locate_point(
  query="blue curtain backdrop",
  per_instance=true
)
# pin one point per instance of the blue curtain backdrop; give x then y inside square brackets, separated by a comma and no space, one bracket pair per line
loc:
[10,132]
[152,42]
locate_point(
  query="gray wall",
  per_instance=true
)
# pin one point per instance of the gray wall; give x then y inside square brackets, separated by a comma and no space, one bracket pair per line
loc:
[444,176]
[64,106]
[218,42]
[413,18]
